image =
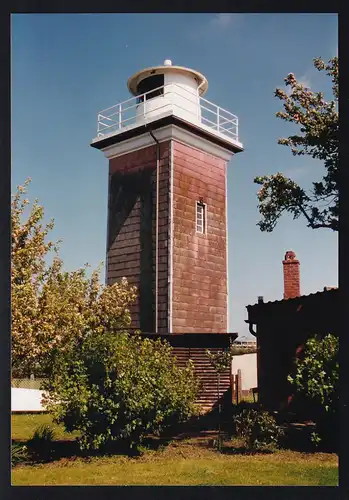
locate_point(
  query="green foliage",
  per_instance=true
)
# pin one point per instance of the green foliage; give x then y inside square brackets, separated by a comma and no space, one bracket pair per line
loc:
[19,453]
[119,387]
[40,445]
[50,306]
[318,137]
[258,429]
[317,378]
[219,360]
[315,438]
[317,371]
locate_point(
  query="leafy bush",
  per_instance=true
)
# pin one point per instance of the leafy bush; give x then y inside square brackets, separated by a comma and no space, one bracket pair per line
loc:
[317,379]
[19,453]
[41,443]
[317,371]
[119,387]
[258,429]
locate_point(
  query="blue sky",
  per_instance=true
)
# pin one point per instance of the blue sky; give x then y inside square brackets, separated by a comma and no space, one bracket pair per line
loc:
[67,67]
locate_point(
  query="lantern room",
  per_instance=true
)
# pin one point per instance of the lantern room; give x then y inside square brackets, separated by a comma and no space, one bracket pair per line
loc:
[161,90]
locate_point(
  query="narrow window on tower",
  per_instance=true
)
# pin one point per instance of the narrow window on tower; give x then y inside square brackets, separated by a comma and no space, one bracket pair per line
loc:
[200,217]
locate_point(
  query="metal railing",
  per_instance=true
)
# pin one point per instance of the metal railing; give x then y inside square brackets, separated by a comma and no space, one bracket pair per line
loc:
[165,100]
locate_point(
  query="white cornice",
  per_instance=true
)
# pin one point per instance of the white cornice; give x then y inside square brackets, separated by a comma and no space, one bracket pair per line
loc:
[169,132]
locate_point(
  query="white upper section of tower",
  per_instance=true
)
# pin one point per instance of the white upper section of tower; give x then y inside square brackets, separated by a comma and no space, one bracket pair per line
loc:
[168,90]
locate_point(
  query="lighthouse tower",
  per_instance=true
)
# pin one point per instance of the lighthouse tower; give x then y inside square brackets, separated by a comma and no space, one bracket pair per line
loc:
[168,150]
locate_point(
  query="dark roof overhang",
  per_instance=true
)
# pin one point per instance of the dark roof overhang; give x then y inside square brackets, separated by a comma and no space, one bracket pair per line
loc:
[162,122]
[317,311]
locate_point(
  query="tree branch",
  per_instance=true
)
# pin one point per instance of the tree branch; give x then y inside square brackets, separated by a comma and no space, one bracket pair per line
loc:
[311,223]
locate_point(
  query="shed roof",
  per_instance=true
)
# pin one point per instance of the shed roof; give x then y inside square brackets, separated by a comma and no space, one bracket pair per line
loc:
[315,305]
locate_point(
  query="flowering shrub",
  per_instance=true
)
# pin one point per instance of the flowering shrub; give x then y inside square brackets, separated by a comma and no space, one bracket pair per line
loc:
[50,307]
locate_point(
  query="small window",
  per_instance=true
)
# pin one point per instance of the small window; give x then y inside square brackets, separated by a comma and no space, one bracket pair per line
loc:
[148,84]
[200,217]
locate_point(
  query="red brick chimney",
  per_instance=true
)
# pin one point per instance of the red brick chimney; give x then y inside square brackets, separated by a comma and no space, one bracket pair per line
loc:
[291,276]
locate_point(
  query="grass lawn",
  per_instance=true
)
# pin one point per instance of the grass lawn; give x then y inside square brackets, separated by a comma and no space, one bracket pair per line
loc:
[190,461]
[23,426]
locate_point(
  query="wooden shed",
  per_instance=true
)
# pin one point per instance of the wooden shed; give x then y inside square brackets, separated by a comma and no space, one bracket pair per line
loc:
[282,327]
[193,346]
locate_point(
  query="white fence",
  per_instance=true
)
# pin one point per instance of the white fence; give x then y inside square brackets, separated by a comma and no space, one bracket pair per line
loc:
[26,400]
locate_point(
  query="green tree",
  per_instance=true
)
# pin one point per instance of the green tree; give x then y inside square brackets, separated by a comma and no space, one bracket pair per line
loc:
[119,387]
[317,372]
[317,378]
[318,137]
[50,306]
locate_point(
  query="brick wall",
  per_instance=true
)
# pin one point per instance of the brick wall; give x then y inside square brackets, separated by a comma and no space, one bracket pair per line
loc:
[199,293]
[199,261]
[131,229]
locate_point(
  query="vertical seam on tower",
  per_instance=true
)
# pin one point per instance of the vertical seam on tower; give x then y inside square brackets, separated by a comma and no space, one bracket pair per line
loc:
[107,237]
[226,236]
[170,247]
[157,232]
